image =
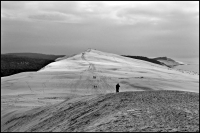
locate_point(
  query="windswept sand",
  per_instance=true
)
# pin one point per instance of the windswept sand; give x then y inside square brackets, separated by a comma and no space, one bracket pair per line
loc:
[76,75]
[62,96]
[124,111]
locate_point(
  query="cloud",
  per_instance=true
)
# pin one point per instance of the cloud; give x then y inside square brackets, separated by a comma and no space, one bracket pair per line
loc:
[55,17]
[157,12]
[161,28]
[130,13]
[12,5]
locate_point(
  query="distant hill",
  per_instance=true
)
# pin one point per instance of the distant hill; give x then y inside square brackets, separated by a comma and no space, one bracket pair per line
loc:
[35,55]
[13,63]
[146,59]
[168,61]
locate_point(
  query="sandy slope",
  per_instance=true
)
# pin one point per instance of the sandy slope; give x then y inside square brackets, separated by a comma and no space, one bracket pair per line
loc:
[29,95]
[75,75]
[124,111]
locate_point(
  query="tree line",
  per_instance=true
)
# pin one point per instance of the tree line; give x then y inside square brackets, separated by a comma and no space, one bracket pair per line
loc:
[12,64]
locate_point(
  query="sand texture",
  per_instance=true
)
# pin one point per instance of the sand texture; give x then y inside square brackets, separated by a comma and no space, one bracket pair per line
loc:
[77,93]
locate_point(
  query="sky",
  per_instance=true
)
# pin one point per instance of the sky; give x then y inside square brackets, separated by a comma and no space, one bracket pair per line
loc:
[152,29]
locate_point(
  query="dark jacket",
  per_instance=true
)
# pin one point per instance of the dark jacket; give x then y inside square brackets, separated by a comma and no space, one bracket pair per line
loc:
[117,87]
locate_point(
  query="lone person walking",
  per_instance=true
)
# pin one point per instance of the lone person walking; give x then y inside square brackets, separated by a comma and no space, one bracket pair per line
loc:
[117,87]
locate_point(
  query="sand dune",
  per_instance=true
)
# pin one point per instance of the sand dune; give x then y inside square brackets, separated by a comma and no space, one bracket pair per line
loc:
[76,75]
[169,62]
[35,101]
[124,111]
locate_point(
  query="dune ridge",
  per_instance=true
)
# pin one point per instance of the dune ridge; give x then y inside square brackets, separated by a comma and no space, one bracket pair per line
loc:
[77,93]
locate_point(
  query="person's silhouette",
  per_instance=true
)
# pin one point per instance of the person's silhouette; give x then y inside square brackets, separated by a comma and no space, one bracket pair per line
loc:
[117,87]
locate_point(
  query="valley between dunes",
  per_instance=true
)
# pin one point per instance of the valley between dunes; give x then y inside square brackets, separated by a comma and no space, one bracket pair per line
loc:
[62,96]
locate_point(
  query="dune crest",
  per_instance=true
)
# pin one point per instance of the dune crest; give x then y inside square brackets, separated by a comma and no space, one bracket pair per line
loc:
[77,93]
[81,73]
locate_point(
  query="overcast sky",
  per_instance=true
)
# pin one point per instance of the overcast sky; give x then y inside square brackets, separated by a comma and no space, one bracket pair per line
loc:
[130,28]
